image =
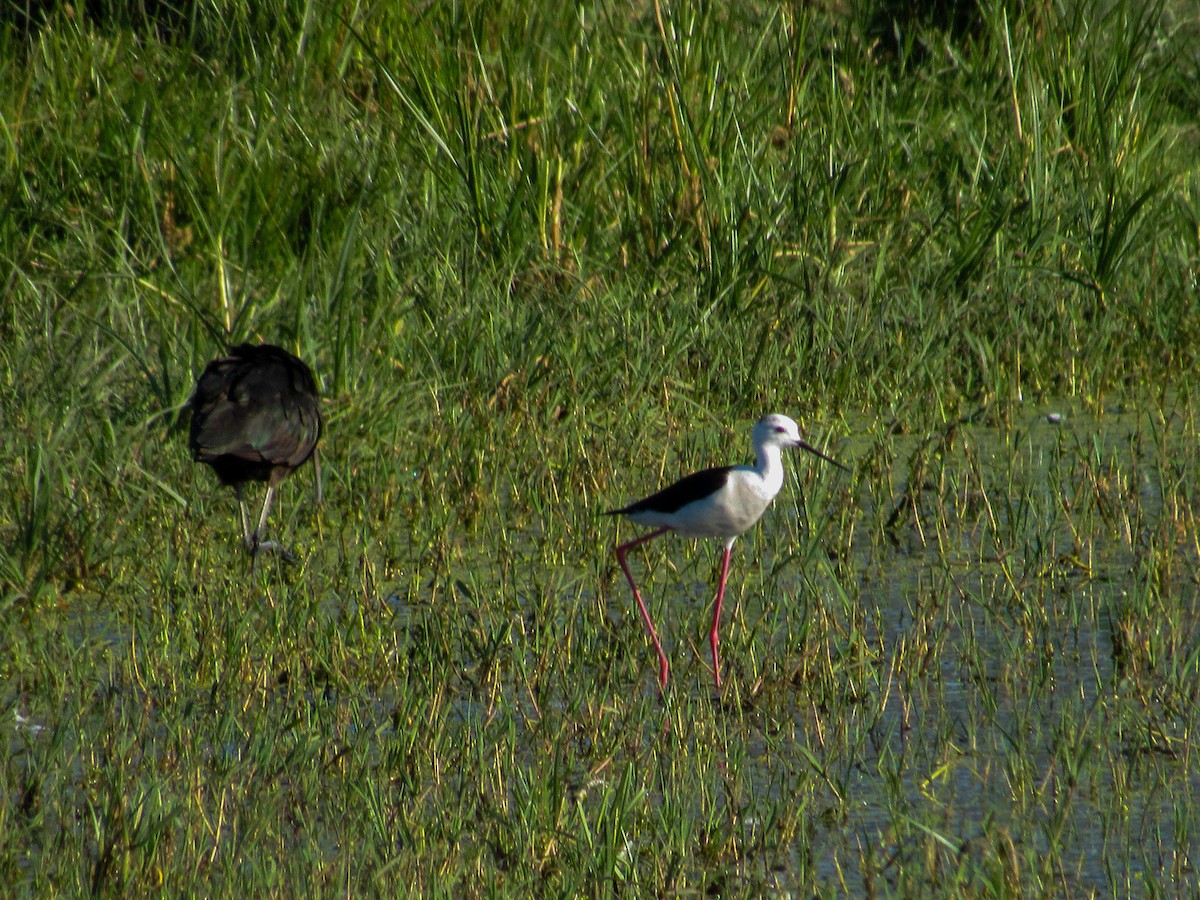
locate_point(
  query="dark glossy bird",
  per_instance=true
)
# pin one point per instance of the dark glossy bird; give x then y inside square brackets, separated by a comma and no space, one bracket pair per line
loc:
[255,417]
[721,502]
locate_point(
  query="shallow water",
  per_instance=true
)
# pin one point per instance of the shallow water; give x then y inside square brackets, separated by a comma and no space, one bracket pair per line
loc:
[986,682]
[1028,736]
[1022,747]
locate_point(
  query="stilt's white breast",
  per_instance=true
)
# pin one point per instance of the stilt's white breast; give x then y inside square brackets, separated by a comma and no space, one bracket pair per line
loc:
[728,512]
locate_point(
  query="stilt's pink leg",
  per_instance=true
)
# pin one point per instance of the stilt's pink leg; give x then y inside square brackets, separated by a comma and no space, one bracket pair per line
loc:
[712,637]
[663,666]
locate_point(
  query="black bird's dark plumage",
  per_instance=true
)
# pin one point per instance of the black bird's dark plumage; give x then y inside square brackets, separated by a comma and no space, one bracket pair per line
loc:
[674,497]
[255,417]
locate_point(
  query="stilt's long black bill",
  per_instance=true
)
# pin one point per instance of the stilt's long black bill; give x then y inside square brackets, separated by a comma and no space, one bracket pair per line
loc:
[815,452]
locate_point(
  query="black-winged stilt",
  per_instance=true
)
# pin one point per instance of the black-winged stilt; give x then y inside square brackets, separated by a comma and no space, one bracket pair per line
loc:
[255,418]
[721,502]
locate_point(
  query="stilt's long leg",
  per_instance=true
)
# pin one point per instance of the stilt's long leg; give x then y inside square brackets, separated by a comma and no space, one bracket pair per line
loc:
[712,637]
[663,665]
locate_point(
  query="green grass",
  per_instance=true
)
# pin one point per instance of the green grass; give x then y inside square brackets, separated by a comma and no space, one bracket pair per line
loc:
[544,259]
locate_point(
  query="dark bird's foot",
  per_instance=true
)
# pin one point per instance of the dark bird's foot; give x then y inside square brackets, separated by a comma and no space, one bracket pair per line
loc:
[256,547]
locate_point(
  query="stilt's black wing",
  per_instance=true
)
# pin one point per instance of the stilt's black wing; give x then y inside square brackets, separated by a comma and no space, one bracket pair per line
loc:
[686,490]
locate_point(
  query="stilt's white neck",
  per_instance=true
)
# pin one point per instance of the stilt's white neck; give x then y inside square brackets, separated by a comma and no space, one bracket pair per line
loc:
[770,467]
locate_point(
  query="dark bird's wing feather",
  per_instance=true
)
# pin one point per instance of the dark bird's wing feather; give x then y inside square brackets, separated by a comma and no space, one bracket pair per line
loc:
[257,406]
[280,420]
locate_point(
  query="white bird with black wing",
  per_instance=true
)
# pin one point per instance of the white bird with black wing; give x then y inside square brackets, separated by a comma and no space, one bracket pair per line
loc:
[721,502]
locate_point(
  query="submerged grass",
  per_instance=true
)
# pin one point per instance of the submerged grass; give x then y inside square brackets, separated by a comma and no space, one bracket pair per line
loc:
[543,260]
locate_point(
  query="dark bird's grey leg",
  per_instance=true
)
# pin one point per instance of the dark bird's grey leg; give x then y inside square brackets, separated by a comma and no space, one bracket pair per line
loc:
[317,471]
[247,535]
[266,511]
[257,545]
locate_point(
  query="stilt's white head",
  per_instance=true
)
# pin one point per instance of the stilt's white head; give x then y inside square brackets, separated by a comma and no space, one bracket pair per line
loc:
[777,430]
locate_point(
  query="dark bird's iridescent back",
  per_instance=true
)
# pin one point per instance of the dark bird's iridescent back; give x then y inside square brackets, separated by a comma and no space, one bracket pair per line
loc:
[255,415]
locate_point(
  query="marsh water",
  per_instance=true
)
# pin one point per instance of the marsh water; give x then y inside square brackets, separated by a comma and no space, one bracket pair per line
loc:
[986,664]
[1011,675]
[1042,719]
